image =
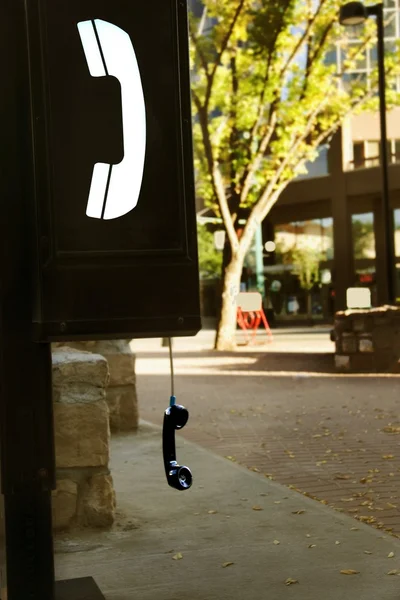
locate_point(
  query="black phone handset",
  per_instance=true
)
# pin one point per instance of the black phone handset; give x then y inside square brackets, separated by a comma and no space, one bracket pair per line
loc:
[175,417]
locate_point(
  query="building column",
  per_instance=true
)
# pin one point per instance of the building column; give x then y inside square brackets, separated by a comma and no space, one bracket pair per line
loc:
[343,274]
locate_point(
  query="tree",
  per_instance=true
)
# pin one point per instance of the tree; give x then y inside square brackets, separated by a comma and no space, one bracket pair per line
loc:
[210,259]
[265,97]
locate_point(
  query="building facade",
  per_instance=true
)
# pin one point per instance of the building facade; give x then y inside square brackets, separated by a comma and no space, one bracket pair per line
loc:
[331,219]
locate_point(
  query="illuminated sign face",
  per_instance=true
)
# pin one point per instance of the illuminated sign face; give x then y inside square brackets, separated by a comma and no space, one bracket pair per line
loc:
[115,189]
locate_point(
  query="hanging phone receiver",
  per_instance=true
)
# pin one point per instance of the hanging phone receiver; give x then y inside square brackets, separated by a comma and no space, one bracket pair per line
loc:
[175,417]
[115,189]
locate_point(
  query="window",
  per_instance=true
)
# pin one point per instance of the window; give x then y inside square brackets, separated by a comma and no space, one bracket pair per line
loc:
[363,236]
[368,153]
[397,232]
[359,155]
[315,235]
[319,167]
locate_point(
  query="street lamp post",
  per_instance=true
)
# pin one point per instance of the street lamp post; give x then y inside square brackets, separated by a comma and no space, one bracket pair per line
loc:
[355,13]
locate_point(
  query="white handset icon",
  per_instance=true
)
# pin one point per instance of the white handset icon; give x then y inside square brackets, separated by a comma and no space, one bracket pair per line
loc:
[115,189]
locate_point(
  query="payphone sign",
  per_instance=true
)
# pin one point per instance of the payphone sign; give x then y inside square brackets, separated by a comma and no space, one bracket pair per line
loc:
[118,212]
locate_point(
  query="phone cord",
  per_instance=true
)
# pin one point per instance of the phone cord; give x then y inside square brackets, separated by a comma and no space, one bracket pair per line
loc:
[171,361]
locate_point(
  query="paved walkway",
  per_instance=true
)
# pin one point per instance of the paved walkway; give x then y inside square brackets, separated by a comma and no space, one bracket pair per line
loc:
[233,536]
[283,412]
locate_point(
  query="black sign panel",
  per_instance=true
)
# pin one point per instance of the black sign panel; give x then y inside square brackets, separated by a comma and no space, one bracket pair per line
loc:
[114,190]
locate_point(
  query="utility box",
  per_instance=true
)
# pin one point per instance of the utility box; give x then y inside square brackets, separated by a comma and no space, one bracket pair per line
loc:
[107,167]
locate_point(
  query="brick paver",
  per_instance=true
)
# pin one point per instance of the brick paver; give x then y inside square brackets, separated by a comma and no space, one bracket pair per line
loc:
[334,438]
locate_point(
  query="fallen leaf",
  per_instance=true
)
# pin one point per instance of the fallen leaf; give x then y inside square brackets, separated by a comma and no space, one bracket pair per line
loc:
[367,552]
[212,512]
[337,543]
[391,555]
[257,508]
[276,542]
[177,556]
[308,535]
[339,476]
[312,546]
[277,502]
[290,581]
[349,572]
[388,456]
[232,458]
[393,572]
[354,529]
[390,429]
[298,512]
[390,505]
[227,564]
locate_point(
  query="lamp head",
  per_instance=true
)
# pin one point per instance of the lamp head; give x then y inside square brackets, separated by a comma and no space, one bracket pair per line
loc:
[353,13]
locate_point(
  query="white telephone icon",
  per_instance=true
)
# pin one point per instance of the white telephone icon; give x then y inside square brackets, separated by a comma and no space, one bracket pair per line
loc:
[115,189]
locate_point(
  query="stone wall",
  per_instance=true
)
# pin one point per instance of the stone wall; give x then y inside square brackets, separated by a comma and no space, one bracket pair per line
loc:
[121,391]
[368,340]
[85,494]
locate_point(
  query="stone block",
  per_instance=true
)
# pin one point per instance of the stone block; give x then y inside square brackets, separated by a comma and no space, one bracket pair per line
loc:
[381,321]
[122,402]
[82,434]
[342,324]
[121,392]
[342,362]
[78,376]
[359,324]
[64,504]
[365,344]
[386,361]
[122,369]
[98,501]
[349,343]
[363,363]
[383,337]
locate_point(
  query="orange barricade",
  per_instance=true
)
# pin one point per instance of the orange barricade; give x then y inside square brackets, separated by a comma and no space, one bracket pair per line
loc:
[250,314]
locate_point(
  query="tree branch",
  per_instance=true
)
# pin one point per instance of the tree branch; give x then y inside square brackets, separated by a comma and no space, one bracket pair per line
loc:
[199,51]
[224,208]
[222,49]
[250,172]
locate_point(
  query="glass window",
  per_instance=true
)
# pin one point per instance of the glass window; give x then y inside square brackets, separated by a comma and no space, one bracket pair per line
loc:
[331,56]
[315,235]
[390,48]
[300,283]
[397,231]
[373,56]
[373,153]
[359,155]
[390,24]
[363,236]
[354,79]
[396,154]
[319,167]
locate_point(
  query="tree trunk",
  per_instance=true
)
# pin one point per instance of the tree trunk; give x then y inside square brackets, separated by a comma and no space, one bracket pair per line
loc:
[226,333]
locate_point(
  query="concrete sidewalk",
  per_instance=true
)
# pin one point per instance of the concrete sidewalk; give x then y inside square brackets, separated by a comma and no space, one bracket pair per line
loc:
[231,515]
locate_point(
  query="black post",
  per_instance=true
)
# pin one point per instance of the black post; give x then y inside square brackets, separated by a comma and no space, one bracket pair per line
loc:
[388,237]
